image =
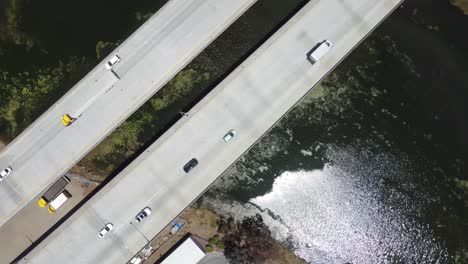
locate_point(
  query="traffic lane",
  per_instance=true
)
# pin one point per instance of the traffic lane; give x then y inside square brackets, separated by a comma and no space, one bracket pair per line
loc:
[178,184]
[38,167]
[8,196]
[142,185]
[138,45]
[41,127]
[134,78]
[85,229]
[25,161]
[295,77]
[33,177]
[77,124]
[301,85]
[255,110]
[149,181]
[194,14]
[136,99]
[19,232]
[184,8]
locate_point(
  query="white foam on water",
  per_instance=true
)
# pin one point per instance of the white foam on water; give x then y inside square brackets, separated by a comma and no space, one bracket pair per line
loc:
[240,211]
[330,219]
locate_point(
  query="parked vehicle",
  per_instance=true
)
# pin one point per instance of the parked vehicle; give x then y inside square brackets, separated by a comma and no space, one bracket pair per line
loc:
[318,51]
[67,120]
[136,260]
[190,165]
[59,201]
[232,133]
[53,191]
[112,62]
[143,214]
[5,173]
[175,227]
[106,229]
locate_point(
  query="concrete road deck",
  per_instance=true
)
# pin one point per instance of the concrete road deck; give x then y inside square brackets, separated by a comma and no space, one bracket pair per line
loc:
[150,58]
[251,100]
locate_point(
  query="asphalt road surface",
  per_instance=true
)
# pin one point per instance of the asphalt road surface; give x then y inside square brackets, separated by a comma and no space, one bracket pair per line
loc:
[150,58]
[251,100]
[31,222]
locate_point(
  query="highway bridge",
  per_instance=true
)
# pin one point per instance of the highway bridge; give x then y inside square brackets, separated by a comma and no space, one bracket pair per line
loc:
[250,100]
[104,98]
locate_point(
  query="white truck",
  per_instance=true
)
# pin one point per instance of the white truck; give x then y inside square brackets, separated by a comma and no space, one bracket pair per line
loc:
[318,51]
[59,201]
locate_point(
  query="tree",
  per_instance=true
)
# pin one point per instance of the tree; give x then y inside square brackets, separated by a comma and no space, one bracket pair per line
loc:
[248,242]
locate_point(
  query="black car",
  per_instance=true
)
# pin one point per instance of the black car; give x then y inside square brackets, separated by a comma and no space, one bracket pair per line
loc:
[190,165]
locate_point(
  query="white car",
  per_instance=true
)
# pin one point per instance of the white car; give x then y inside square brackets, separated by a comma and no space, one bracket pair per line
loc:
[136,260]
[107,228]
[232,133]
[5,173]
[143,214]
[112,62]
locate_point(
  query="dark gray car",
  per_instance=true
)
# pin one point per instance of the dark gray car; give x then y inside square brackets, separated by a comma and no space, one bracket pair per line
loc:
[190,165]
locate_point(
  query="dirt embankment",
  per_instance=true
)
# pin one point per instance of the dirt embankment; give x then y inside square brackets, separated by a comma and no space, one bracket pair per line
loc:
[248,241]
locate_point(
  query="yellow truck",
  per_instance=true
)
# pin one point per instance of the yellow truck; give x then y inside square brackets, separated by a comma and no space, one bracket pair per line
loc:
[67,120]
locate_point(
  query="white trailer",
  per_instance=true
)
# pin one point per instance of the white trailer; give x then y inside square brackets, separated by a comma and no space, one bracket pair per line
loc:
[318,51]
[59,201]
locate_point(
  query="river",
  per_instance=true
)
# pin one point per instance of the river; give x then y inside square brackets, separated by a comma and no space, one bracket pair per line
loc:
[370,166]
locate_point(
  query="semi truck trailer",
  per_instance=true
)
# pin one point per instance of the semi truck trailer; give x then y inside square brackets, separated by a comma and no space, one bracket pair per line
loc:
[58,201]
[55,190]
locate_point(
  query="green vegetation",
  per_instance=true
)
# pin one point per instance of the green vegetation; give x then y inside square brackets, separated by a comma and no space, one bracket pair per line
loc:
[133,133]
[103,48]
[10,30]
[38,65]
[209,248]
[30,80]
[142,17]
[216,242]
[25,95]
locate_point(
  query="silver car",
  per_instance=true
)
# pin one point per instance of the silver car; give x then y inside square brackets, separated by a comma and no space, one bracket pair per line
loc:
[5,173]
[143,214]
[232,133]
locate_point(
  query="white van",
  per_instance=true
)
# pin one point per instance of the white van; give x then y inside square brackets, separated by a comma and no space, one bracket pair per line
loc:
[318,51]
